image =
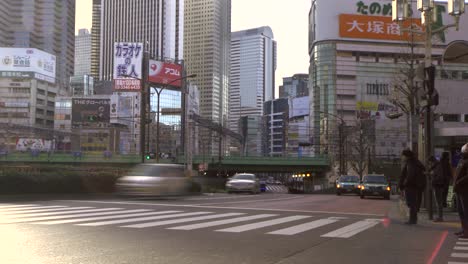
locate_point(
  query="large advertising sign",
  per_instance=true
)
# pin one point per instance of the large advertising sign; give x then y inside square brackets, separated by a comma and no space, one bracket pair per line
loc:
[122,108]
[299,106]
[90,111]
[128,58]
[28,144]
[165,73]
[27,60]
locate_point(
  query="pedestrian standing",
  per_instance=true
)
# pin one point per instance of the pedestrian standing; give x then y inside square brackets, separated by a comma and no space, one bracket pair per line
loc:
[441,174]
[461,189]
[412,182]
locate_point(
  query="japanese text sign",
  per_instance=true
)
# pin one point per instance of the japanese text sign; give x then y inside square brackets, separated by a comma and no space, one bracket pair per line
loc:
[127,85]
[376,27]
[127,60]
[165,73]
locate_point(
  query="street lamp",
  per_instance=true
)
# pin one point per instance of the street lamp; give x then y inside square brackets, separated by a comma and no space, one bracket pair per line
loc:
[427,7]
[158,93]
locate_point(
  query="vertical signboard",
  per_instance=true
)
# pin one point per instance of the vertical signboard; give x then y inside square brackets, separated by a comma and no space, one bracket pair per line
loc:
[128,59]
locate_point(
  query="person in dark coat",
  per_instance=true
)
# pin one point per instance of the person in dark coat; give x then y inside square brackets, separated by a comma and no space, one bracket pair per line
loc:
[461,189]
[441,173]
[412,182]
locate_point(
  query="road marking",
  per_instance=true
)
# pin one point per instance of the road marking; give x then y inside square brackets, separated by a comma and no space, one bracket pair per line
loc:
[463,239]
[293,230]
[69,215]
[242,228]
[221,222]
[125,214]
[459,255]
[12,210]
[460,248]
[18,205]
[224,207]
[42,210]
[462,243]
[451,262]
[183,220]
[251,201]
[64,211]
[353,229]
[141,219]
[218,198]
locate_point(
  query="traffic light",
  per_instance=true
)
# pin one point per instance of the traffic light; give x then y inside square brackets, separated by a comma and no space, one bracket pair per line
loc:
[147,157]
[92,118]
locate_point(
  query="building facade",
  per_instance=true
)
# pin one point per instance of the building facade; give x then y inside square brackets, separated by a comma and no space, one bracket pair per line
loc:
[275,123]
[251,128]
[83,53]
[47,25]
[157,24]
[207,41]
[82,85]
[358,58]
[253,65]
[295,86]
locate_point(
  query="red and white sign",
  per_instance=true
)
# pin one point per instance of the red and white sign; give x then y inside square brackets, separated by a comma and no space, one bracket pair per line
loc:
[165,73]
[127,85]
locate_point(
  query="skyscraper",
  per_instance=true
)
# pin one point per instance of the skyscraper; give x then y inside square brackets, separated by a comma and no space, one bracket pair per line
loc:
[207,39]
[83,52]
[158,24]
[47,25]
[295,86]
[253,65]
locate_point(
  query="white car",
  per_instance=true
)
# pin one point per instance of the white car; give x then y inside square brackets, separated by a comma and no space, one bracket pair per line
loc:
[243,182]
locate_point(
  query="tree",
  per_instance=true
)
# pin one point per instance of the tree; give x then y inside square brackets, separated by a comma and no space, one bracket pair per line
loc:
[361,145]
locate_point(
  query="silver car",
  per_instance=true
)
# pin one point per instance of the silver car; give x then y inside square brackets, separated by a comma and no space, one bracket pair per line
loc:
[155,180]
[243,182]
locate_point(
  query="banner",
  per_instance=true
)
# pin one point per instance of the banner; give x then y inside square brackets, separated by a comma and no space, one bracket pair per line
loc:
[165,73]
[90,111]
[128,59]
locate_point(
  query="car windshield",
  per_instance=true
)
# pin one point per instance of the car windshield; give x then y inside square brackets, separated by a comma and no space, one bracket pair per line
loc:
[244,177]
[374,179]
[155,170]
[349,178]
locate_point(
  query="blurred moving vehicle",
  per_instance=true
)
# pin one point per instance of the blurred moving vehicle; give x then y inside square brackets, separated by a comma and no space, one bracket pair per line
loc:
[156,180]
[347,184]
[243,182]
[375,185]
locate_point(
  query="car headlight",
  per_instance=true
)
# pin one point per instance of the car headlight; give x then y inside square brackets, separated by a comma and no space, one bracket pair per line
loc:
[338,186]
[363,187]
[388,188]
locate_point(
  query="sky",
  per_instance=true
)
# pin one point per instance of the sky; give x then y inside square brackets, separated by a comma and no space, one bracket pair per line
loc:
[289,23]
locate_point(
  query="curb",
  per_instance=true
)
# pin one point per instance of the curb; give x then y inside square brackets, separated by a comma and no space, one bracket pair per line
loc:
[450,218]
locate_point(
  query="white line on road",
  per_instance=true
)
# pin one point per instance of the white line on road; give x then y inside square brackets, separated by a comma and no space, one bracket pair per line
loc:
[70,215]
[353,229]
[41,210]
[463,239]
[224,207]
[125,214]
[222,222]
[451,262]
[218,198]
[183,220]
[462,243]
[459,255]
[64,211]
[18,205]
[32,208]
[252,201]
[141,219]
[242,228]
[460,248]
[303,227]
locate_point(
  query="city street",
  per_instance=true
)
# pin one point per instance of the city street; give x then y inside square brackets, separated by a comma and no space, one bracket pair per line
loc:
[218,228]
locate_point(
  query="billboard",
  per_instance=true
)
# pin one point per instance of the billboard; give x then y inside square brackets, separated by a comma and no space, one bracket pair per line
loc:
[299,106]
[28,60]
[165,73]
[90,111]
[128,58]
[127,85]
[122,108]
[28,144]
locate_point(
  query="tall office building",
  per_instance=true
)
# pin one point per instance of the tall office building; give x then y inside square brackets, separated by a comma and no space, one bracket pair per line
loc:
[295,86]
[47,25]
[82,53]
[253,65]
[158,24]
[207,38]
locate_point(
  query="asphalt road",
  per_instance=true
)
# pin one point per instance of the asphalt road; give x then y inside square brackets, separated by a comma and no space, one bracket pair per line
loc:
[268,228]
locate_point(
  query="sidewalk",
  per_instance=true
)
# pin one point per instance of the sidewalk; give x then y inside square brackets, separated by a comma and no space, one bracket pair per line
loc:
[451,219]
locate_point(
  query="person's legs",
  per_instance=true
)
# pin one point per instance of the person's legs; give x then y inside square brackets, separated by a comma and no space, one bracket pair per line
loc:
[412,202]
[464,205]
[446,188]
[439,195]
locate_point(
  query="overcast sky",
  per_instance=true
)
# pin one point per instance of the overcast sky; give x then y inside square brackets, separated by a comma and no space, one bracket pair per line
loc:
[288,19]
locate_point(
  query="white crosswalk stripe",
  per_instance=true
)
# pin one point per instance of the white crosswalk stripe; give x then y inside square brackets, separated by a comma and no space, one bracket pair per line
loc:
[61,208]
[303,227]
[194,220]
[459,255]
[96,212]
[353,229]
[276,188]
[222,222]
[124,215]
[258,225]
[141,219]
[17,205]
[183,220]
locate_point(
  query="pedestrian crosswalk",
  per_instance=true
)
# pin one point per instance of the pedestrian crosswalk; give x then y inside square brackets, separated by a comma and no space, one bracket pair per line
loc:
[276,188]
[460,252]
[277,224]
